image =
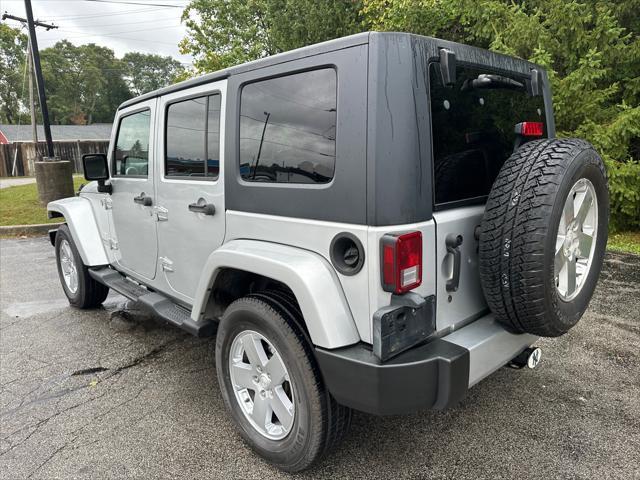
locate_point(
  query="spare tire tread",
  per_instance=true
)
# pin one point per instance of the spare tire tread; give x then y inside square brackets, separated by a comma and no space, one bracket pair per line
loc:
[515,224]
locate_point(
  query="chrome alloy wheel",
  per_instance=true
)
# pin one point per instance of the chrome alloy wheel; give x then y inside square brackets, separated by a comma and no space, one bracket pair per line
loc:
[261,383]
[576,240]
[68,266]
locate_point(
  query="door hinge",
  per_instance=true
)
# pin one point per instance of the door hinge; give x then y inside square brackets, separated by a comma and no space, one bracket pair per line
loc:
[113,244]
[107,203]
[167,265]
[162,214]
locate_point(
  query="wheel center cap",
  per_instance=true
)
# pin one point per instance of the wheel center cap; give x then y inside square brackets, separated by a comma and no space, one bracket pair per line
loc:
[264,381]
[570,243]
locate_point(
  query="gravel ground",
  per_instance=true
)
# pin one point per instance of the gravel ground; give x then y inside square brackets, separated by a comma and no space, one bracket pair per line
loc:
[110,393]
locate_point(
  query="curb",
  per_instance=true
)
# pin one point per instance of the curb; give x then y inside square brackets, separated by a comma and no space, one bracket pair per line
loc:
[26,230]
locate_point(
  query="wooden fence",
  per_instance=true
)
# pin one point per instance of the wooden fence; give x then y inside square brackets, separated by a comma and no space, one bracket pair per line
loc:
[23,154]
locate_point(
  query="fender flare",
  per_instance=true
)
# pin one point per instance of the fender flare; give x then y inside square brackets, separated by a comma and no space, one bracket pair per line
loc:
[310,277]
[78,214]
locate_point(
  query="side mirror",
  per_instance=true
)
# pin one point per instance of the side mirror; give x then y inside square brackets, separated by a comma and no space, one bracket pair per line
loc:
[96,167]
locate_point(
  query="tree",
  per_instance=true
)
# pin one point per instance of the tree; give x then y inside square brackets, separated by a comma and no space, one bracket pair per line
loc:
[591,50]
[222,33]
[13,45]
[84,83]
[147,72]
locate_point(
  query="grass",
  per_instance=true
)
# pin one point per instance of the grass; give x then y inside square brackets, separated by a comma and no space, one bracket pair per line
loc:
[20,205]
[624,242]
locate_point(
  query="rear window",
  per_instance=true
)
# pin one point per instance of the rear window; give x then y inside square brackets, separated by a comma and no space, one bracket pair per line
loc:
[473,129]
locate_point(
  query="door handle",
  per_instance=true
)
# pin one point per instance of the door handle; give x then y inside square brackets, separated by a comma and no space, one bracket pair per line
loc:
[143,200]
[453,243]
[206,208]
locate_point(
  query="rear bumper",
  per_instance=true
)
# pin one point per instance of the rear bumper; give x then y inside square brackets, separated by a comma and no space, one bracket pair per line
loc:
[435,375]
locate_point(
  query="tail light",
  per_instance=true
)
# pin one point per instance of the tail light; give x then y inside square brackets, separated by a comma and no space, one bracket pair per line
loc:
[530,129]
[401,262]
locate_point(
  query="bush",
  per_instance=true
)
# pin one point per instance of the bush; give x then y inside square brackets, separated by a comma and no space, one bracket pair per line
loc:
[590,49]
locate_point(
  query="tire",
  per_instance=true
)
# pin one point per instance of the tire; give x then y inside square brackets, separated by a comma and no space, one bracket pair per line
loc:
[88,293]
[524,286]
[318,421]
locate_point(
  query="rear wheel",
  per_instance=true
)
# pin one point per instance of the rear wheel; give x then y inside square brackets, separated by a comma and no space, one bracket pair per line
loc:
[79,287]
[272,386]
[543,236]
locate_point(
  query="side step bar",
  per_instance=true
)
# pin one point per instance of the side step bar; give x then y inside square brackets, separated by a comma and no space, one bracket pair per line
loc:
[161,306]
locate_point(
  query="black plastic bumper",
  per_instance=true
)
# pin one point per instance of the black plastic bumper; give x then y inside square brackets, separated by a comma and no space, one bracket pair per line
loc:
[435,375]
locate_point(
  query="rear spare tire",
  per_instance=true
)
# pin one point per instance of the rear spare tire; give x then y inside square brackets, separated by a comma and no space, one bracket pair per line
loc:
[543,236]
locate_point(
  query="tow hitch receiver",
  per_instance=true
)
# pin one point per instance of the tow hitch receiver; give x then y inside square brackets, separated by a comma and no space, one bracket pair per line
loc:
[530,357]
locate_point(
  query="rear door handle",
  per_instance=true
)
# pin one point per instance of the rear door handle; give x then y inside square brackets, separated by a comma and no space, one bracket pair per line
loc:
[206,208]
[143,200]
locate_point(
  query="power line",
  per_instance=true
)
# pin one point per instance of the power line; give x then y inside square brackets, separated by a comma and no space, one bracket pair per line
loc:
[112,14]
[282,125]
[109,24]
[129,39]
[290,146]
[109,34]
[138,3]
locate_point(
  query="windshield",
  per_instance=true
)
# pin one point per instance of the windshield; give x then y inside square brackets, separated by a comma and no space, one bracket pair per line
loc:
[474,128]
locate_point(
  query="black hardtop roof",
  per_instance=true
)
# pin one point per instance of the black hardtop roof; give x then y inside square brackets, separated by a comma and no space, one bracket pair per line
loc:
[429,45]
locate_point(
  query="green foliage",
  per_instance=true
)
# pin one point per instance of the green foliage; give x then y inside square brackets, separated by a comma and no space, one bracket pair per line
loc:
[222,33]
[591,50]
[84,84]
[13,45]
[147,72]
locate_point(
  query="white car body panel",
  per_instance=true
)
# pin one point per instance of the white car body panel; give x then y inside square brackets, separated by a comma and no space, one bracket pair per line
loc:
[363,291]
[311,278]
[79,216]
[133,226]
[186,239]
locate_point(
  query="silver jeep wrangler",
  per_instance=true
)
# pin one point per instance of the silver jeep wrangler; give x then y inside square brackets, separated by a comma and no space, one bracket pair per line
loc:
[376,223]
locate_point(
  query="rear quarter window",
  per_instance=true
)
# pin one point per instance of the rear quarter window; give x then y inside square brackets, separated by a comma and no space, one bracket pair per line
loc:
[474,130]
[288,128]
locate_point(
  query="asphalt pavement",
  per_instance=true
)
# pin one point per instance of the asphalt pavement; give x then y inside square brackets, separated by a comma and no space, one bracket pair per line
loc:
[111,393]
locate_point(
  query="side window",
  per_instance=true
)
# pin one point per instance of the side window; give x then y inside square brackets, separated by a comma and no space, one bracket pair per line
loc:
[288,128]
[193,138]
[132,145]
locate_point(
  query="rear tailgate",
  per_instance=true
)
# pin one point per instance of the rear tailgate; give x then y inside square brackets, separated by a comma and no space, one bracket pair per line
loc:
[473,133]
[460,300]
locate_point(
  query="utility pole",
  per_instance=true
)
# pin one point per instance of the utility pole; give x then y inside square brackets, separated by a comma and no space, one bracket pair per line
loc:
[32,106]
[264,129]
[39,79]
[54,178]
[33,54]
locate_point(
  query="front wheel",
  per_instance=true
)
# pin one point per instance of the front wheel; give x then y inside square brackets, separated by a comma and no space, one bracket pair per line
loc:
[79,287]
[272,387]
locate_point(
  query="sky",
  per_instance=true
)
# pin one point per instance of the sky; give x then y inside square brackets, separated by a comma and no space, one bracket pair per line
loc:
[137,25]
